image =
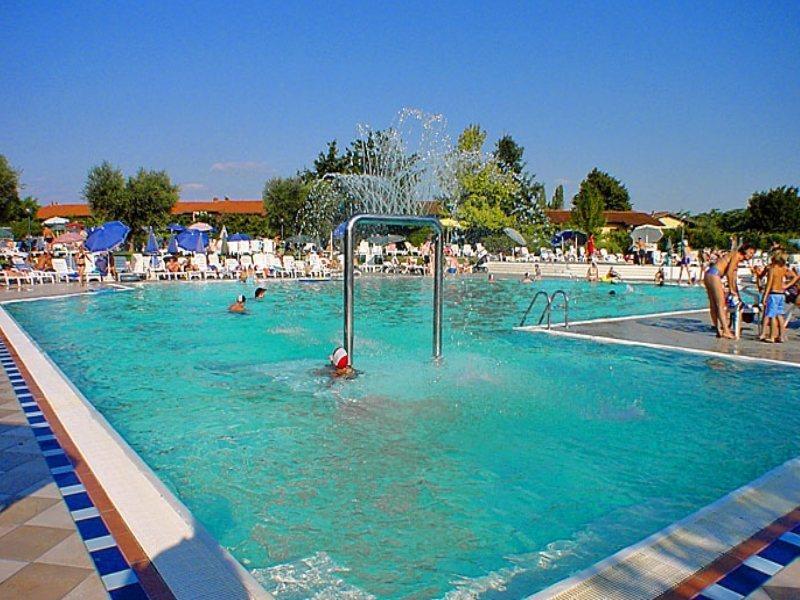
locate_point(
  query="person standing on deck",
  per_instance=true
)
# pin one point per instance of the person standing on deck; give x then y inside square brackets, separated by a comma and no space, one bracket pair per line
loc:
[725,267]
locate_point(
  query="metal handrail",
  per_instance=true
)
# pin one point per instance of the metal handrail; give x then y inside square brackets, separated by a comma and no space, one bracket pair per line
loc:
[566,307]
[530,306]
[349,267]
[548,307]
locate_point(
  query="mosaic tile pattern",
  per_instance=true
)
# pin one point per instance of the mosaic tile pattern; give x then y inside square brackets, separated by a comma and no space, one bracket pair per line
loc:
[118,579]
[757,570]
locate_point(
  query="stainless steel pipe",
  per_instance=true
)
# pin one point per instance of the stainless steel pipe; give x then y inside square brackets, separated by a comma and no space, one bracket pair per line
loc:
[349,271]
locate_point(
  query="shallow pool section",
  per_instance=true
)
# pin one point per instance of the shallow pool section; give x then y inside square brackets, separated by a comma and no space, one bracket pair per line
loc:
[515,462]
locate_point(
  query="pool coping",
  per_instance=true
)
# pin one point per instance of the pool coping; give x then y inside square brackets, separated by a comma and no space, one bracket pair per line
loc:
[186,557]
[560,330]
[617,575]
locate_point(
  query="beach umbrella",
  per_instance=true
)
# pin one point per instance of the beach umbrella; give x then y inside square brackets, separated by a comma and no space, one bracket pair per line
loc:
[338,233]
[200,226]
[107,237]
[649,233]
[152,243]
[173,245]
[70,237]
[199,246]
[515,235]
[175,228]
[239,237]
[191,240]
[450,223]
[56,222]
[223,241]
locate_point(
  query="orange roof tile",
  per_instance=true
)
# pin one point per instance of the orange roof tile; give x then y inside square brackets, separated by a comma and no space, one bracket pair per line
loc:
[225,207]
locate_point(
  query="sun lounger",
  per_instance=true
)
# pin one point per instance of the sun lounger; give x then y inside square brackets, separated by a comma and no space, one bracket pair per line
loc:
[63,273]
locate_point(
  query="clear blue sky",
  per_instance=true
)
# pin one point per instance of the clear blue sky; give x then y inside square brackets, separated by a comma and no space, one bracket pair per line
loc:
[692,105]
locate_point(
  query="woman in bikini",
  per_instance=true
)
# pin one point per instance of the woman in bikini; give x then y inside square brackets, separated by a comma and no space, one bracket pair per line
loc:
[726,267]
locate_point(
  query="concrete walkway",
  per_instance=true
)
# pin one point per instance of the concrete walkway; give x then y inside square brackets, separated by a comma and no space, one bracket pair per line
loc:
[689,331]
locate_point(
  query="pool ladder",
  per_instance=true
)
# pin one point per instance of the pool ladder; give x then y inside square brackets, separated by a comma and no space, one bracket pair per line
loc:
[548,307]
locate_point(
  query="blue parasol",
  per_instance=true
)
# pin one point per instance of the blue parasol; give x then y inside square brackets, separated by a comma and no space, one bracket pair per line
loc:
[107,237]
[152,243]
[175,228]
[173,245]
[191,240]
[338,233]
[199,246]
[239,237]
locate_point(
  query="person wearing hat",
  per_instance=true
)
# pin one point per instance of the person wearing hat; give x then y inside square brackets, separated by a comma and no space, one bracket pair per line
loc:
[238,306]
[340,362]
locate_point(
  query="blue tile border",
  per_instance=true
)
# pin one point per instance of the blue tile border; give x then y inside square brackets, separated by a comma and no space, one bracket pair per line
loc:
[116,574]
[756,570]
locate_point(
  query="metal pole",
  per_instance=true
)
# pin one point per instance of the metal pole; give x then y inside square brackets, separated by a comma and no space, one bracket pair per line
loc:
[437,296]
[349,253]
[349,278]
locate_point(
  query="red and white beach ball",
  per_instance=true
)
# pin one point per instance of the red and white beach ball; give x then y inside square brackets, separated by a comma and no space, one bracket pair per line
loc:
[339,358]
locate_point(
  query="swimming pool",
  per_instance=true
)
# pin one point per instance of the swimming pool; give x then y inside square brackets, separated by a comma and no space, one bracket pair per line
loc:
[515,462]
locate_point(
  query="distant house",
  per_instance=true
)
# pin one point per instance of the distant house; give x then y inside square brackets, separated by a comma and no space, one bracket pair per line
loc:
[196,208]
[616,220]
[670,220]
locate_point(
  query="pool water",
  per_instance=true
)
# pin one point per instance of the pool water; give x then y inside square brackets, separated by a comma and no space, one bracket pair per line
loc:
[516,461]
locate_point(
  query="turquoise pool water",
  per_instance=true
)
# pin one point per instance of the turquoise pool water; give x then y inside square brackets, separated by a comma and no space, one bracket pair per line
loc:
[518,460]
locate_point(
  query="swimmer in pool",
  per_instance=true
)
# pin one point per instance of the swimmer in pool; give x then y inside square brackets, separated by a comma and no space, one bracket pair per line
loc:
[527,278]
[340,365]
[238,305]
[260,292]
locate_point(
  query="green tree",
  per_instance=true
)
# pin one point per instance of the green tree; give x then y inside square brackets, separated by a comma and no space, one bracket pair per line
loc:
[331,161]
[472,139]
[508,155]
[105,192]
[284,199]
[150,196]
[557,202]
[776,210]
[9,191]
[587,210]
[612,192]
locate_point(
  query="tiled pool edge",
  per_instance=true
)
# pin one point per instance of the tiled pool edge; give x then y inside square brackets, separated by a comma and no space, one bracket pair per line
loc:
[186,556]
[115,572]
[660,564]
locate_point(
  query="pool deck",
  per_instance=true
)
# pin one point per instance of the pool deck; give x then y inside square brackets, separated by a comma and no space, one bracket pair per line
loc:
[688,331]
[41,551]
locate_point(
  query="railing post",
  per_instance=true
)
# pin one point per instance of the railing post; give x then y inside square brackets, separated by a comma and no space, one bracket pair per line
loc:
[438,276]
[349,278]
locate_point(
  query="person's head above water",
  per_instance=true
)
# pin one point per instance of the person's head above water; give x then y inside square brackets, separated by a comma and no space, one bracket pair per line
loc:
[240,299]
[612,293]
[260,293]
[339,358]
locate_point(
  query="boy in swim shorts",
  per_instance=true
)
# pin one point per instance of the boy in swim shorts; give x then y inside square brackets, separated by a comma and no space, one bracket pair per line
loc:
[774,300]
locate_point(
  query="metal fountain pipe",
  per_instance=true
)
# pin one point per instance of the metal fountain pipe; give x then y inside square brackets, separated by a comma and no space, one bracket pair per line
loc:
[349,275]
